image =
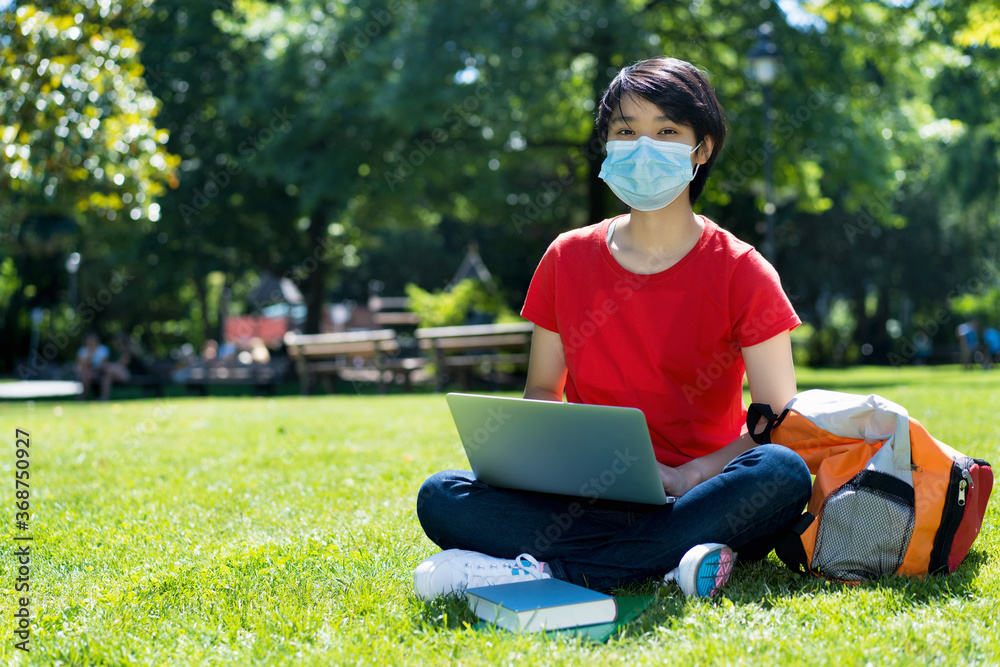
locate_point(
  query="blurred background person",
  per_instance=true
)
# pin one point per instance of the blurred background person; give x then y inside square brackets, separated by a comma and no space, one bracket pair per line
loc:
[90,360]
[128,364]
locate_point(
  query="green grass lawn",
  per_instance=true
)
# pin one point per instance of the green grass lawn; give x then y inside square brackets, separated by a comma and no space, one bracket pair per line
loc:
[281,531]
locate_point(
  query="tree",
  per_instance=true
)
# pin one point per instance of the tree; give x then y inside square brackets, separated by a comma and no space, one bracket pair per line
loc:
[79,144]
[904,249]
[219,219]
[313,76]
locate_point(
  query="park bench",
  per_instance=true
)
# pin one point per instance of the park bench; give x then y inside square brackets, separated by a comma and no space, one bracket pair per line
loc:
[460,349]
[155,377]
[264,377]
[392,311]
[366,356]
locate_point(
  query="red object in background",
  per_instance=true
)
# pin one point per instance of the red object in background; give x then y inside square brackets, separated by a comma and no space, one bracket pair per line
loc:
[241,328]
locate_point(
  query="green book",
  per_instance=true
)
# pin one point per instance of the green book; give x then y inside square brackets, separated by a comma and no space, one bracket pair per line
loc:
[541,604]
[628,609]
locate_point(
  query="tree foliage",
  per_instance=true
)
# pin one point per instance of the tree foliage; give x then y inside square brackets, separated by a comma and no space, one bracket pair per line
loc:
[340,142]
[82,161]
[77,122]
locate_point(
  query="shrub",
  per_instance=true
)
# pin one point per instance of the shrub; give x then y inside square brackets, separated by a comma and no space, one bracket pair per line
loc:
[468,301]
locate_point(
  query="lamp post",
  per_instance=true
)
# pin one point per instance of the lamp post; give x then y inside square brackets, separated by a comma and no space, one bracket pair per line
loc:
[37,315]
[72,266]
[764,58]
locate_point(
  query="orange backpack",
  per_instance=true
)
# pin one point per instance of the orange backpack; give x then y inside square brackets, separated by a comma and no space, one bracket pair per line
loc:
[888,498]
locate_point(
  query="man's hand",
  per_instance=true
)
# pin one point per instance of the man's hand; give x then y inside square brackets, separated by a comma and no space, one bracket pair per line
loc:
[678,481]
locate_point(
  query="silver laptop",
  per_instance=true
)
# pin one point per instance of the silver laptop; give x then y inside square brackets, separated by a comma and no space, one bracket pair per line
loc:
[590,451]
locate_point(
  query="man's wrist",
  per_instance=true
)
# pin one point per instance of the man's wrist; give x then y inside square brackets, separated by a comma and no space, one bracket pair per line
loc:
[693,473]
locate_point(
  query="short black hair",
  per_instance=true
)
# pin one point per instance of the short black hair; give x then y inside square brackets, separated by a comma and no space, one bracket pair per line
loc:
[682,92]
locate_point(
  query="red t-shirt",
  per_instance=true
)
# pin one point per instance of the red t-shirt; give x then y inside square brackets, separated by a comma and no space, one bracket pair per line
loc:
[667,343]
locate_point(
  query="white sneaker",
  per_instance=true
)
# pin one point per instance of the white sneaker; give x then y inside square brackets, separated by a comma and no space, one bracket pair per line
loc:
[703,570]
[456,569]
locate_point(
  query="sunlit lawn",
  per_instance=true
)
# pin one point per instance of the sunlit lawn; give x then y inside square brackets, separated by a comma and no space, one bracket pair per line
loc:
[246,530]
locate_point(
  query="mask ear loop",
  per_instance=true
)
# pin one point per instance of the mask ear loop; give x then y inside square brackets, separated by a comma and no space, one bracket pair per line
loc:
[695,172]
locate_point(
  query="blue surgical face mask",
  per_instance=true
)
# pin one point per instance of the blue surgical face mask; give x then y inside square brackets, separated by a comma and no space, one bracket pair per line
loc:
[648,174]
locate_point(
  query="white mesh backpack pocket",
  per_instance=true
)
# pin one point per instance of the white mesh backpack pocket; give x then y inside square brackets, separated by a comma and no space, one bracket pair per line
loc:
[865,528]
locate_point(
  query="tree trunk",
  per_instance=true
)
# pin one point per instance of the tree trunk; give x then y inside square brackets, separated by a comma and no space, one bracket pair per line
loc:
[224,298]
[316,264]
[202,292]
[881,342]
[596,198]
[597,206]
[871,329]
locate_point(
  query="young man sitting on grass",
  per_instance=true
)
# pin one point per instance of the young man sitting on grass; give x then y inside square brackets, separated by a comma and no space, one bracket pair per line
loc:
[689,308]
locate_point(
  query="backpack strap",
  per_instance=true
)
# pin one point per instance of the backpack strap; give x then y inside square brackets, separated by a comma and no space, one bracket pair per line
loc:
[758,411]
[789,548]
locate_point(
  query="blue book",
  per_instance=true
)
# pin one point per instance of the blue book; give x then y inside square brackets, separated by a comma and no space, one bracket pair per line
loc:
[541,604]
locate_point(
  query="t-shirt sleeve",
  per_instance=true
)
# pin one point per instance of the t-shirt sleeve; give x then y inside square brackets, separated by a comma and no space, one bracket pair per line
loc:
[759,307]
[101,355]
[540,302]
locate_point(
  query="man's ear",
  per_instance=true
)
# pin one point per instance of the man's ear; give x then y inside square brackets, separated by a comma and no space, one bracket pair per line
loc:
[705,150]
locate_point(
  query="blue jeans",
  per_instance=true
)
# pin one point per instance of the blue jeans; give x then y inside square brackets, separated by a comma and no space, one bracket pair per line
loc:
[604,544]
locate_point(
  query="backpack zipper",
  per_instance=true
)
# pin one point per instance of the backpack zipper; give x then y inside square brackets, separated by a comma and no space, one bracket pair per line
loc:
[965,483]
[951,517]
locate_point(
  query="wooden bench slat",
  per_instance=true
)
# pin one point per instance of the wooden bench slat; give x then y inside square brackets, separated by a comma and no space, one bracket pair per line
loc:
[401,319]
[467,330]
[340,337]
[370,348]
[473,342]
[331,366]
[478,359]
[404,363]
